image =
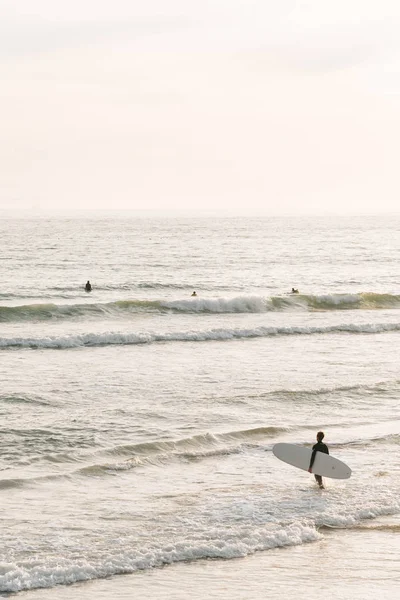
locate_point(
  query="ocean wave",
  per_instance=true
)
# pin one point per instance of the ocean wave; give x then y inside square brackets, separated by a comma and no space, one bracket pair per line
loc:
[222,334]
[361,511]
[218,543]
[23,399]
[238,304]
[160,453]
[389,386]
[27,446]
[122,308]
[38,446]
[238,534]
[365,301]
[44,312]
[370,440]
[197,446]
[289,302]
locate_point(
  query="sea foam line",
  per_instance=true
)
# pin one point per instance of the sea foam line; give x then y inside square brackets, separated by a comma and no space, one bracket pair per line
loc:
[213,541]
[124,339]
[34,573]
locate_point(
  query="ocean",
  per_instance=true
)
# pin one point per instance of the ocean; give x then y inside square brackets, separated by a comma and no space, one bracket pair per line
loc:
[137,420]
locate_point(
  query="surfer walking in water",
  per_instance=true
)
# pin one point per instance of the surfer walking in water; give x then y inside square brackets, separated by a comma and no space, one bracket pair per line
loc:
[318,447]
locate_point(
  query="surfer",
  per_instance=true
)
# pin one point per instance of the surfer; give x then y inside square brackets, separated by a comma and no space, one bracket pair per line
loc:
[294,291]
[194,294]
[318,447]
[88,286]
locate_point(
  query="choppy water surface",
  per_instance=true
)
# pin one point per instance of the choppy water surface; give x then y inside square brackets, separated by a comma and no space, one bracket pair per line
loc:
[137,421]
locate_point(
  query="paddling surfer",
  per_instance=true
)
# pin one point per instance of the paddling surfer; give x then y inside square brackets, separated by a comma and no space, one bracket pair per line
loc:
[318,447]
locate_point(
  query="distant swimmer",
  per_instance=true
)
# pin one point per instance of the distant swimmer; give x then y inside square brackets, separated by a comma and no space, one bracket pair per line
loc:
[294,291]
[88,286]
[194,294]
[318,447]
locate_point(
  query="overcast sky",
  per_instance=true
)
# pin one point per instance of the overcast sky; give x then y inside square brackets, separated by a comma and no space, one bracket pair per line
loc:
[250,105]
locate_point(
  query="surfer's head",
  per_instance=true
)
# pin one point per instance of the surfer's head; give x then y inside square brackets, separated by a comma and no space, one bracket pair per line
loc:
[320,436]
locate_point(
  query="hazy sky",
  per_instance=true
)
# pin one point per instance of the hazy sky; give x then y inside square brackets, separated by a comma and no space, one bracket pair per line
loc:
[275,105]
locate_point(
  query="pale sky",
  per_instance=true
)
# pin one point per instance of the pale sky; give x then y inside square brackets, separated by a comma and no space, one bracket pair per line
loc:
[250,105]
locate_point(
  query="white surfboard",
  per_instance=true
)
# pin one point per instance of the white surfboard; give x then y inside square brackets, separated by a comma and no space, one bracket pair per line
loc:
[300,457]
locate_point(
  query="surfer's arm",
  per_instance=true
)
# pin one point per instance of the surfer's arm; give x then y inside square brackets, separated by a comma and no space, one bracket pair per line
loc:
[314,452]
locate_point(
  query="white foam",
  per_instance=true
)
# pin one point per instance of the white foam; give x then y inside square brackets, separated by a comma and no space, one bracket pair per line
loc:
[362,510]
[114,338]
[219,528]
[31,574]
[239,304]
[337,299]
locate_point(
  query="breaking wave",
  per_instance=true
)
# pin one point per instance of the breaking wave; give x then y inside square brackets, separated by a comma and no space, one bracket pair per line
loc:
[222,334]
[203,536]
[238,304]
[236,541]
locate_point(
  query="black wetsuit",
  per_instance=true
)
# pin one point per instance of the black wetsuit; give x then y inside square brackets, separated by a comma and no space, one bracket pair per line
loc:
[318,447]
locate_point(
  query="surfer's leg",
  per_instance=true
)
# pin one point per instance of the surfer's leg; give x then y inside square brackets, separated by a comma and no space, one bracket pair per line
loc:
[318,479]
